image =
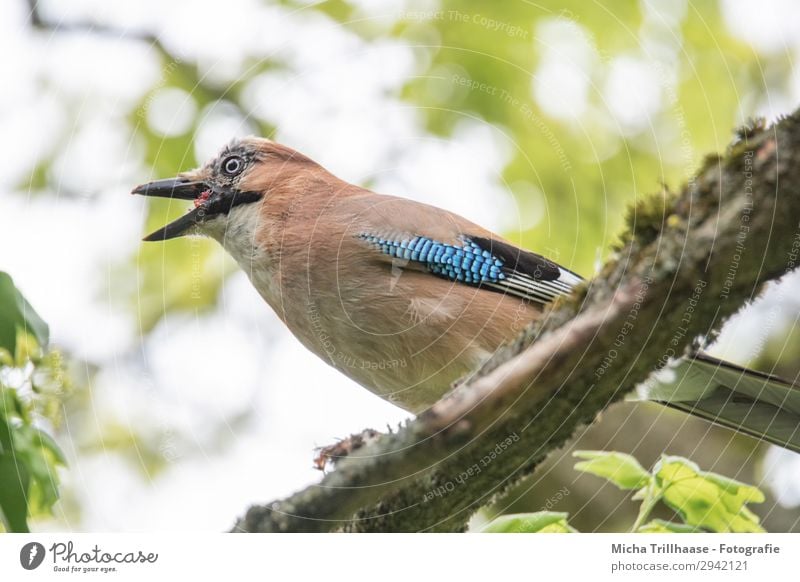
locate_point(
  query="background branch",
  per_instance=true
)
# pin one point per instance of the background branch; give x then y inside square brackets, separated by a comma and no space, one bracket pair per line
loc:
[180,67]
[731,228]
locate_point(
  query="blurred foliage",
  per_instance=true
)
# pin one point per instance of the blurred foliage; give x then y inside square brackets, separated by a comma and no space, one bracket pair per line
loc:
[18,315]
[703,500]
[30,385]
[587,168]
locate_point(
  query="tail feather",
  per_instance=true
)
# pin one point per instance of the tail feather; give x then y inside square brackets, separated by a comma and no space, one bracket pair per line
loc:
[761,405]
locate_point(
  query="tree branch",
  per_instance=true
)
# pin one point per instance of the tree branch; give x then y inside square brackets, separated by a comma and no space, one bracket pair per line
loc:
[731,229]
[195,81]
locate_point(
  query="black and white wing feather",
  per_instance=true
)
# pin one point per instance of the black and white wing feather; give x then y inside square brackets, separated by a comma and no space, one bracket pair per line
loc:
[526,274]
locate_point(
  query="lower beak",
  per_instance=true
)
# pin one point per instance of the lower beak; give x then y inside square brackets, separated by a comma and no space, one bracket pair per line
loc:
[177,227]
[180,189]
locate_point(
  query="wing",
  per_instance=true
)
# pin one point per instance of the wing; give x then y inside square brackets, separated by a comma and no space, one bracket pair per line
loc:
[478,260]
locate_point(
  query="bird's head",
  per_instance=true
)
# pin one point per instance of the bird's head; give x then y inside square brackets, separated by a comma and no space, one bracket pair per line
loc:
[238,179]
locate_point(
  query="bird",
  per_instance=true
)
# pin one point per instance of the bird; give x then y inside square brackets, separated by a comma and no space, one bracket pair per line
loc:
[406,298]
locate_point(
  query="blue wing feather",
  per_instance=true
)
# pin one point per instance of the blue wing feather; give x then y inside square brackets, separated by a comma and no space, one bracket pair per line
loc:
[484,262]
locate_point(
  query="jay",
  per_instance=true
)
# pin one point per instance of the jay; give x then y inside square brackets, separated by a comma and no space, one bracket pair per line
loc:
[406,298]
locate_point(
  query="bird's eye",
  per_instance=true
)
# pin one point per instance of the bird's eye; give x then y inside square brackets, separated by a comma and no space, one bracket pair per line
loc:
[232,166]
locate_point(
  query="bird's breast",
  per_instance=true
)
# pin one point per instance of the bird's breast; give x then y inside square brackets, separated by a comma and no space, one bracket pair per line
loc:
[405,335]
[401,332]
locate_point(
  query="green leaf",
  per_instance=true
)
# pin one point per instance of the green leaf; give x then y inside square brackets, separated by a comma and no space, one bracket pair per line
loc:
[661,526]
[11,406]
[17,314]
[28,472]
[539,522]
[705,499]
[15,481]
[621,469]
[40,456]
[47,443]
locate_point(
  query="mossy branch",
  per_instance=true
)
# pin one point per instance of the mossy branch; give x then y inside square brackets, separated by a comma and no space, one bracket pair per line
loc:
[731,229]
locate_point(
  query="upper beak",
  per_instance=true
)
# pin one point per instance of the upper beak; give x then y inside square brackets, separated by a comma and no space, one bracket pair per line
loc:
[181,189]
[171,188]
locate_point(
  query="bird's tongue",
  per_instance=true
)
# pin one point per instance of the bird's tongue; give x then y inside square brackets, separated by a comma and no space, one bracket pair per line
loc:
[202,198]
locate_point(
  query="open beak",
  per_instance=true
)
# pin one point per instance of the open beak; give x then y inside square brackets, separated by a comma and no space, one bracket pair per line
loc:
[181,189]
